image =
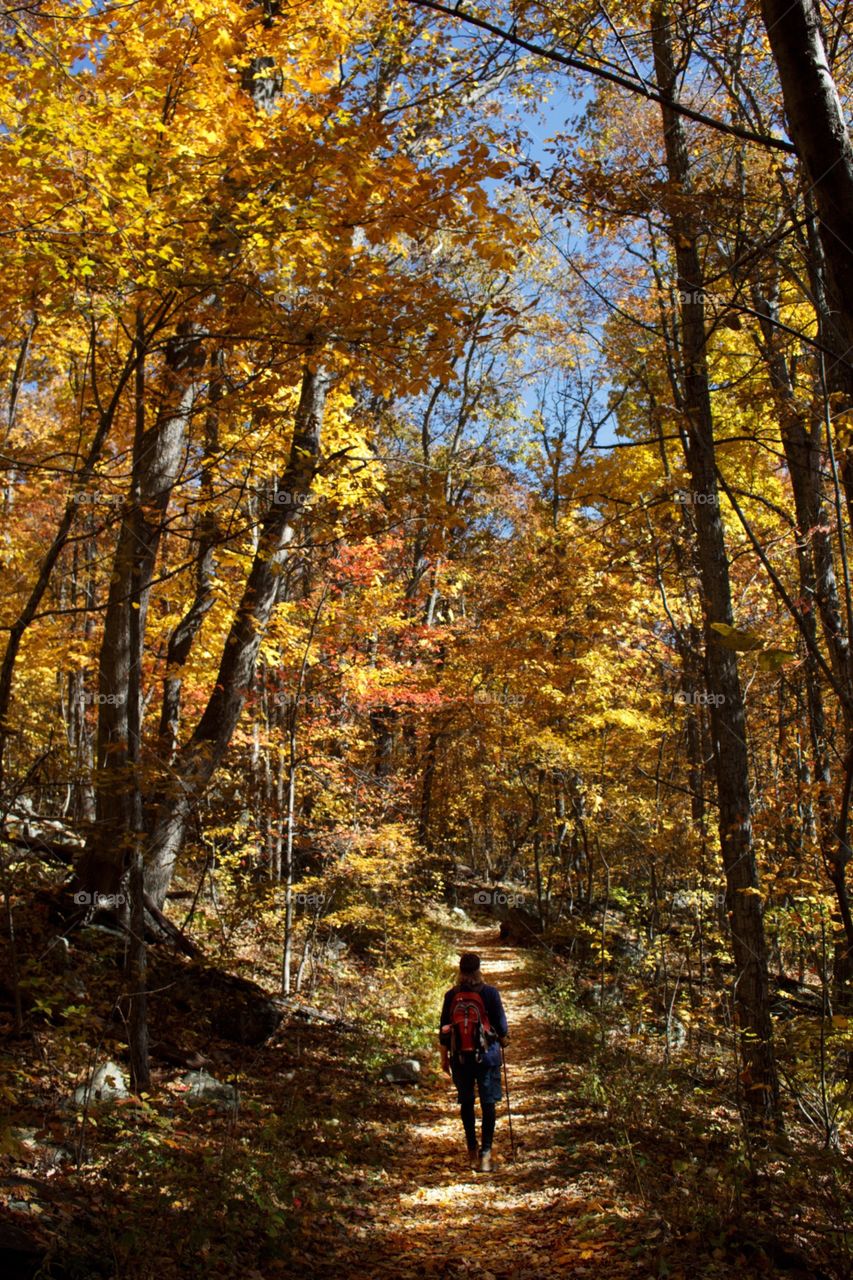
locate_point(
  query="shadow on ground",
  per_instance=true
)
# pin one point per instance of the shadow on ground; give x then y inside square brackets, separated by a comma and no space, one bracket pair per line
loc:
[577,1199]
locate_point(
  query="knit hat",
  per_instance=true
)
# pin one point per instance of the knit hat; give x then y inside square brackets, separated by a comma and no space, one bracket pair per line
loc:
[469,962]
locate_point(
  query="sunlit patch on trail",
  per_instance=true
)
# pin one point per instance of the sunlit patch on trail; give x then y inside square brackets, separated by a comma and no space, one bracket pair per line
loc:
[569,1204]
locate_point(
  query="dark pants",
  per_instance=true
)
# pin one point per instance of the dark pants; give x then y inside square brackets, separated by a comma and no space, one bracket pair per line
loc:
[466,1075]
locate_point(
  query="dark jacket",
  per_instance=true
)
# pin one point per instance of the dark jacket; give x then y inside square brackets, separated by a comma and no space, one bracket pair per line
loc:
[494,1011]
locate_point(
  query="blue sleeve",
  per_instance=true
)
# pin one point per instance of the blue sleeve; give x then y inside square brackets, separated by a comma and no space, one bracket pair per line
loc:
[494,1008]
[444,1038]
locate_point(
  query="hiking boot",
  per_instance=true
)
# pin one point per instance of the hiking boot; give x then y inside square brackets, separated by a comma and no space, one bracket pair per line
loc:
[485,1162]
[473,1157]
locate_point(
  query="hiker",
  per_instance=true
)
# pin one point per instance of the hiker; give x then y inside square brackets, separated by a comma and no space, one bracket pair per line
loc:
[472,1031]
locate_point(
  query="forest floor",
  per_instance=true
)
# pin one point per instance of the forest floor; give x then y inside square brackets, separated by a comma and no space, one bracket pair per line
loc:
[554,1208]
[623,1167]
[576,1198]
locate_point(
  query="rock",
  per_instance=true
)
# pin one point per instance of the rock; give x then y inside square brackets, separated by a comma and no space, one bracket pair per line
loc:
[403,1071]
[677,1032]
[519,925]
[57,958]
[295,1009]
[460,915]
[627,948]
[595,996]
[44,1154]
[209,999]
[336,946]
[245,1013]
[204,1090]
[106,1085]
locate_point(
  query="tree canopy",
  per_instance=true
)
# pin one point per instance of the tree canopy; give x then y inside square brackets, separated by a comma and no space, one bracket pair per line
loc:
[427,479]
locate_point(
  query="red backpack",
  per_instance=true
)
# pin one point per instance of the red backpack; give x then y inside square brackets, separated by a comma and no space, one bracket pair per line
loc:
[469,1027]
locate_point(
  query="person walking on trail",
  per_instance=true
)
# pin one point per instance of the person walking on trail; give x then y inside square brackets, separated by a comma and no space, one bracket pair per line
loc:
[472,1031]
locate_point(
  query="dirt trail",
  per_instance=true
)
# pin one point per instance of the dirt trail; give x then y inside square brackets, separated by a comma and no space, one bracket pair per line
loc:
[544,1214]
[621,1170]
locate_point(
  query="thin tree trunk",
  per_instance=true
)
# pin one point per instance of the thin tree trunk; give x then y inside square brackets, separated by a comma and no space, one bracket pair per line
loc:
[19,627]
[292,765]
[137,958]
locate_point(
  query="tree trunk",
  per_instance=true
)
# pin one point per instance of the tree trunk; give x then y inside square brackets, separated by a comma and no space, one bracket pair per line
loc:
[19,627]
[137,954]
[819,132]
[197,760]
[818,587]
[80,803]
[157,463]
[183,637]
[383,722]
[728,721]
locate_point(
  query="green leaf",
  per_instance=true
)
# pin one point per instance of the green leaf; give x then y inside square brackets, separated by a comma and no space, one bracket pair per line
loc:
[773,659]
[741,641]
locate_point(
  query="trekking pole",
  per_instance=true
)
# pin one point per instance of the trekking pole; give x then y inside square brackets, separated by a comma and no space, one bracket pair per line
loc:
[508,1107]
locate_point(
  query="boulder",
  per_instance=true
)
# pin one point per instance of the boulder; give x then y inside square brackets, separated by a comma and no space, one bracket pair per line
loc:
[210,999]
[106,1084]
[519,926]
[38,1154]
[336,946]
[677,1032]
[204,1090]
[596,996]
[244,1012]
[402,1071]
